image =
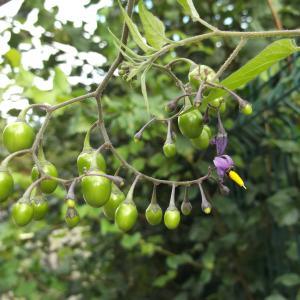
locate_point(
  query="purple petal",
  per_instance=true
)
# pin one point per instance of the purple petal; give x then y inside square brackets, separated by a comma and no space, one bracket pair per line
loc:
[222,164]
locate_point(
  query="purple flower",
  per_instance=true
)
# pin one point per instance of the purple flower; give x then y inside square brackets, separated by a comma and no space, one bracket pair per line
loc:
[222,164]
[221,143]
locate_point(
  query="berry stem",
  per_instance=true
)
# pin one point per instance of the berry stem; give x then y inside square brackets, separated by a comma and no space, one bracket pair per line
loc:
[172,198]
[71,190]
[129,197]
[154,198]
[169,139]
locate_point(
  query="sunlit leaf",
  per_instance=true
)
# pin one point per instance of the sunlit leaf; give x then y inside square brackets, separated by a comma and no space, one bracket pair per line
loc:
[60,81]
[14,57]
[153,27]
[135,32]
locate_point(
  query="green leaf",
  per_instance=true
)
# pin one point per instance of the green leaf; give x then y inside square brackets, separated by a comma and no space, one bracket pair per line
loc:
[135,32]
[130,241]
[14,57]
[107,227]
[175,261]
[275,297]
[265,59]
[126,51]
[164,279]
[290,217]
[60,82]
[39,96]
[24,78]
[289,279]
[153,27]
[189,8]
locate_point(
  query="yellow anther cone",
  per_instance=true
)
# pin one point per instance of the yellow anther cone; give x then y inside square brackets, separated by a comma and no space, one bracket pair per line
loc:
[234,176]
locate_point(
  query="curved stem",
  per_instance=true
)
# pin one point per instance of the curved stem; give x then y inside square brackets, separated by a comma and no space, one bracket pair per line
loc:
[129,197]
[71,190]
[232,56]
[156,180]
[6,161]
[27,193]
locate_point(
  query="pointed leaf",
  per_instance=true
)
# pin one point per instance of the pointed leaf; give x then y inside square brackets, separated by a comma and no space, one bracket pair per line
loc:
[127,50]
[266,58]
[153,27]
[60,81]
[135,32]
[289,279]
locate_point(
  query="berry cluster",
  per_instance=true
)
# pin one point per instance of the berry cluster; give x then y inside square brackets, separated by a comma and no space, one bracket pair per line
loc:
[102,190]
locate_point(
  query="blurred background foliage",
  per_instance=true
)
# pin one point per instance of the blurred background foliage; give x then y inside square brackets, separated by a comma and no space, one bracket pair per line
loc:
[247,249]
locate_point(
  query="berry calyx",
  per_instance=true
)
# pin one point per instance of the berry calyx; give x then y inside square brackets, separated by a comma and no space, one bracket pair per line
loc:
[40,207]
[72,217]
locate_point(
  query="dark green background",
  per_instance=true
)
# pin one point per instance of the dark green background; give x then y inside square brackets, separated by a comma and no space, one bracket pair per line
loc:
[247,249]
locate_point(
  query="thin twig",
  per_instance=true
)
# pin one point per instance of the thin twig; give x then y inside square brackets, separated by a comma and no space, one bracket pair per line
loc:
[232,56]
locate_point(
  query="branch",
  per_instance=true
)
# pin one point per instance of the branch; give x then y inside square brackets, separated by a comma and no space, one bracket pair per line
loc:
[119,58]
[232,56]
[275,15]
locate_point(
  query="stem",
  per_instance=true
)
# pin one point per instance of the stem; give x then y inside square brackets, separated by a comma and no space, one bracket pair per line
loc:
[213,28]
[232,56]
[129,197]
[156,180]
[172,198]
[6,161]
[154,198]
[185,195]
[37,141]
[198,98]
[177,60]
[119,58]
[27,193]
[275,15]
[71,101]
[71,191]
[139,134]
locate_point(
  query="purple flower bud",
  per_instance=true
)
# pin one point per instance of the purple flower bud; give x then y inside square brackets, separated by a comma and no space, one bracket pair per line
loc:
[221,143]
[224,189]
[222,164]
[221,139]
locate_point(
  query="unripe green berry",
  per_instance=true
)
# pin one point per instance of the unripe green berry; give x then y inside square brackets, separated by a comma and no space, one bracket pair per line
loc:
[247,109]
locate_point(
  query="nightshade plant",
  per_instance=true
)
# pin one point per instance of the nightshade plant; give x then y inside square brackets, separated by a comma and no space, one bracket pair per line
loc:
[201,100]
